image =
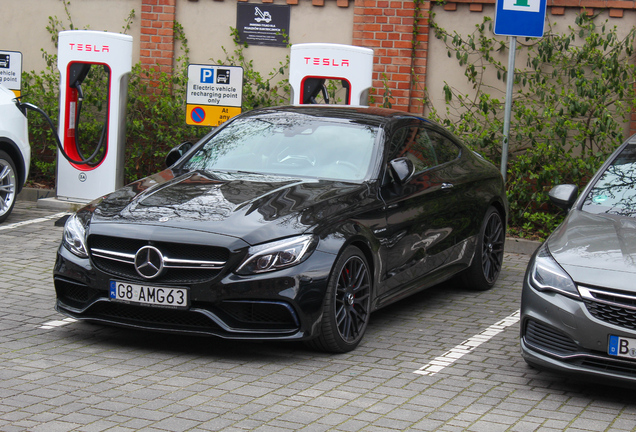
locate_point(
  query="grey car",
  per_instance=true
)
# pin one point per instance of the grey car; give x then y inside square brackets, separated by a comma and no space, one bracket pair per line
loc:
[578,306]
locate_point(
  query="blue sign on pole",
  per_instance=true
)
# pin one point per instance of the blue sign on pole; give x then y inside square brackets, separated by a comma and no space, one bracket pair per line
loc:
[521,18]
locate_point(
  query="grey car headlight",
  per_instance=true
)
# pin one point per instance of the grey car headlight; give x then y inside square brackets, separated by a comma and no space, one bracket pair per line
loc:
[547,275]
[277,255]
[74,238]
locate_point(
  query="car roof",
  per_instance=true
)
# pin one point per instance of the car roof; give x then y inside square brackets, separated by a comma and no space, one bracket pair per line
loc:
[364,114]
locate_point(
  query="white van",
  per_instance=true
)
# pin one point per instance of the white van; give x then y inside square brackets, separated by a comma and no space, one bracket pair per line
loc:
[15,151]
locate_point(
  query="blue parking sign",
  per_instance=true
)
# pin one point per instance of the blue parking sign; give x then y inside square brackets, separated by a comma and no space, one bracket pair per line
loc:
[521,18]
[207,75]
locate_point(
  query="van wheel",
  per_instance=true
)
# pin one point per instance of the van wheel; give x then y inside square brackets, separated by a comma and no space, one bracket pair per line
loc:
[8,185]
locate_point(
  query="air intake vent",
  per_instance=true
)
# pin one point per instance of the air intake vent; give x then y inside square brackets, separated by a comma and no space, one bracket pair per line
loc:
[549,339]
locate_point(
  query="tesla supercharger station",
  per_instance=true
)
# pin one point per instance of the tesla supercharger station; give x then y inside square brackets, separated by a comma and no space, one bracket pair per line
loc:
[311,64]
[78,51]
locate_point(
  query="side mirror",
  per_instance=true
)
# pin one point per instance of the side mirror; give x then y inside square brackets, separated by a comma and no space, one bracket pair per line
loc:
[563,196]
[175,154]
[402,169]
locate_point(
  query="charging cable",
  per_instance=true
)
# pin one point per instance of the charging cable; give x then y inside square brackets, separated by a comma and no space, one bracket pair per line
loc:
[24,106]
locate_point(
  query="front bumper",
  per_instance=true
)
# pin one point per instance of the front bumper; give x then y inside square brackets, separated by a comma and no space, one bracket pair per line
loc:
[280,305]
[560,334]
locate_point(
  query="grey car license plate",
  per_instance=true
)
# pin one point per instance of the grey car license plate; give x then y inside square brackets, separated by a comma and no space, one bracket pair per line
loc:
[622,347]
[149,295]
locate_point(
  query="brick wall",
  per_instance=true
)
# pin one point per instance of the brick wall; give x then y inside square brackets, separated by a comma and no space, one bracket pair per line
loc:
[388,26]
[157,37]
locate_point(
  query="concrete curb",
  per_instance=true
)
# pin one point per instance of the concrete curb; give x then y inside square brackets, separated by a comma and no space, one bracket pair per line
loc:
[53,203]
[34,194]
[47,199]
[521,246]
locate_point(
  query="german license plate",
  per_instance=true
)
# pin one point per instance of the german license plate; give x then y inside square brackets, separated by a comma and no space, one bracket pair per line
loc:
[148,295]
[622,347]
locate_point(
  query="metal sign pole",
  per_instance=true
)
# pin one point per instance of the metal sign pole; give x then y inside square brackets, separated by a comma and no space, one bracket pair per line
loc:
[516,18]
[508,108]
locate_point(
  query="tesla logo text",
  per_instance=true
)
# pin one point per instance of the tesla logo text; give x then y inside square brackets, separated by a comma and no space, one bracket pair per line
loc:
[321,61]
[89,47]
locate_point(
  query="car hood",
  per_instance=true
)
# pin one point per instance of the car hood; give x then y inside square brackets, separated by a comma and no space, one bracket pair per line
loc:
[253,207]
[598,250]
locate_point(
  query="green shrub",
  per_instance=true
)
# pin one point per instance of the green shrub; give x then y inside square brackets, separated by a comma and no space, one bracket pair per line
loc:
[569,106]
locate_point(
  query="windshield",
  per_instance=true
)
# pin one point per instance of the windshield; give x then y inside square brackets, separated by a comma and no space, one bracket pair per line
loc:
[290,144]
[615,191]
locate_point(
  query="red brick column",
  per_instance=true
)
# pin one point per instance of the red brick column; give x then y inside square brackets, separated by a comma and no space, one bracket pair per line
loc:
[387,26]
[420,59]
[157,37]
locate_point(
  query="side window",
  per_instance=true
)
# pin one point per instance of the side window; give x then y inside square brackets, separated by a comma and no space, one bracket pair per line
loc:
[445,150]
[398,141]
[415,144]
[424,151]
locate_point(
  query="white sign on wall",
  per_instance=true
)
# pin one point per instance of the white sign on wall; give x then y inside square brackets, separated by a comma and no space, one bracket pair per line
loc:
[11,70]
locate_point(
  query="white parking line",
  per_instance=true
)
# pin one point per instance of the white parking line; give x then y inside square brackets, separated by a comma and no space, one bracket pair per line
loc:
[28,222]
[57,323]
[449,357]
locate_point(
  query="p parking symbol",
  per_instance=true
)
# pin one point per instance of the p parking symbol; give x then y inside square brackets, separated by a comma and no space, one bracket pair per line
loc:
[207,75]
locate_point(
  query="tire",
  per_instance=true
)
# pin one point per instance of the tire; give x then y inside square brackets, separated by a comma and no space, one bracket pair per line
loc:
[346,308]
[8,185]
[486,266]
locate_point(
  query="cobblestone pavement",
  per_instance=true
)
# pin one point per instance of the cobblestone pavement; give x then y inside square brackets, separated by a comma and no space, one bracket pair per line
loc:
[58,375]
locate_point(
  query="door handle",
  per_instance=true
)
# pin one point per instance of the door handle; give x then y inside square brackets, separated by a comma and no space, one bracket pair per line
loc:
[447,185]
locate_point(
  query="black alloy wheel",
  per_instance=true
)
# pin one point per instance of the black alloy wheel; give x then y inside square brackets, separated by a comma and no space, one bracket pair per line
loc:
[347,303]
[486,265]
[492,247]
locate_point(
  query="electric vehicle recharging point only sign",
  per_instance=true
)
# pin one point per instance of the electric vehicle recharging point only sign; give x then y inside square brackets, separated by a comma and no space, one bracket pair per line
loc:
[11,71]
[215,94]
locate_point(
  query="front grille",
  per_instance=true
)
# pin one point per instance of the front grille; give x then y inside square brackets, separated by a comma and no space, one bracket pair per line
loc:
[150,316]
[607,365]
[117,256]
[549,339]
[612,314]
[174,250]
[613,307]
[260,314]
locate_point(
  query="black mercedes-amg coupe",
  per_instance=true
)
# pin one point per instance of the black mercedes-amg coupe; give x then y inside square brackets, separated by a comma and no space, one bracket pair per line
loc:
[287,223]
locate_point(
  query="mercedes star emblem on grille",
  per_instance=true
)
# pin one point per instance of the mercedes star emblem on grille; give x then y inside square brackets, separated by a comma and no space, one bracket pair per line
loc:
[149,262]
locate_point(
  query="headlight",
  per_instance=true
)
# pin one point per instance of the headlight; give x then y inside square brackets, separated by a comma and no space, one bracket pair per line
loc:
[277,255]
[547,275]
[74,237]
